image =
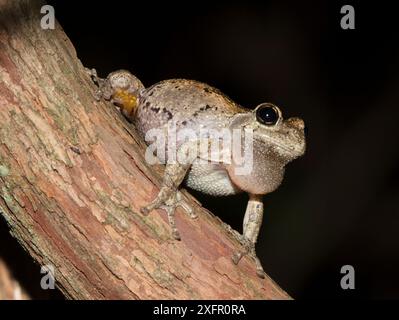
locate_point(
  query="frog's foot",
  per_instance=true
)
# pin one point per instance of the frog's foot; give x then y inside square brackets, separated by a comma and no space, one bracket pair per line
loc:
[92,73]
[100,82]
[169,204]
[248,248]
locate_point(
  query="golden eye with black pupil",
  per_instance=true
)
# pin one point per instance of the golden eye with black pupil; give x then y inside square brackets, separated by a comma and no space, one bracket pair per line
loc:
[267,114]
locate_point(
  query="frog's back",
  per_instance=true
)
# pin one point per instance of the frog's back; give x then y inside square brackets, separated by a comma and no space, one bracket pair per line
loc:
[185,104]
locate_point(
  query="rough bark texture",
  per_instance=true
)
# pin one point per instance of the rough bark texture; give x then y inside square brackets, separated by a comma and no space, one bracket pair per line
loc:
[73,177]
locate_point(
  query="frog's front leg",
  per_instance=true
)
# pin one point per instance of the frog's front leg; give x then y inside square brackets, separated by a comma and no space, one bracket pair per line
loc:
[252,223]
[169,198]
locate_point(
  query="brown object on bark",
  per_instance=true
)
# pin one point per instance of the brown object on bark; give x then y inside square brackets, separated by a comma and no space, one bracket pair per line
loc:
[73,178]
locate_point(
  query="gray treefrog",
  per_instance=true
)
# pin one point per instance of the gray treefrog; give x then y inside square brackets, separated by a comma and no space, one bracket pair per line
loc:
[189,104]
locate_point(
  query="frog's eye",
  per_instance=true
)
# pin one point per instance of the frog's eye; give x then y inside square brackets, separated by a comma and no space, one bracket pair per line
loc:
[267,114]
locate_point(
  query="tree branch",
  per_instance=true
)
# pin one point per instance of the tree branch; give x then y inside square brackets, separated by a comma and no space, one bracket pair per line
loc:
[73,177]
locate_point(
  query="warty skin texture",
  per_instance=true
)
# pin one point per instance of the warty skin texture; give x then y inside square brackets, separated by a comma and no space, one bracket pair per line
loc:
[187,104]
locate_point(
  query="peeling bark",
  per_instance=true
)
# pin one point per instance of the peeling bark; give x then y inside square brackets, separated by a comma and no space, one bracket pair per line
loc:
[73,177]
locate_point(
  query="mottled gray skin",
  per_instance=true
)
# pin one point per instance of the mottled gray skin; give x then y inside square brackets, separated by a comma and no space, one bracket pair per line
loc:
[194,105]
[187,103]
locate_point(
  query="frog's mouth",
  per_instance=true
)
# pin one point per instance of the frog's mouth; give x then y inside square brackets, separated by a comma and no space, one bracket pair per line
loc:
[292,151]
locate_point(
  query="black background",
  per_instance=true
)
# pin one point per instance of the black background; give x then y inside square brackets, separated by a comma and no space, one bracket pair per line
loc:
[338,204]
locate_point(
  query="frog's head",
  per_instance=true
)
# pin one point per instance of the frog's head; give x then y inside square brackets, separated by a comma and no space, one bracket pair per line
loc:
[279,138]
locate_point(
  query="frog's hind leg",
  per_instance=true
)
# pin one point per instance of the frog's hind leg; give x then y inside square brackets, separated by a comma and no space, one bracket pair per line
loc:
[252,223]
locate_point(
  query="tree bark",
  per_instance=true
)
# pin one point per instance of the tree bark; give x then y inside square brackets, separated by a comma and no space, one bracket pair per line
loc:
[73,177]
